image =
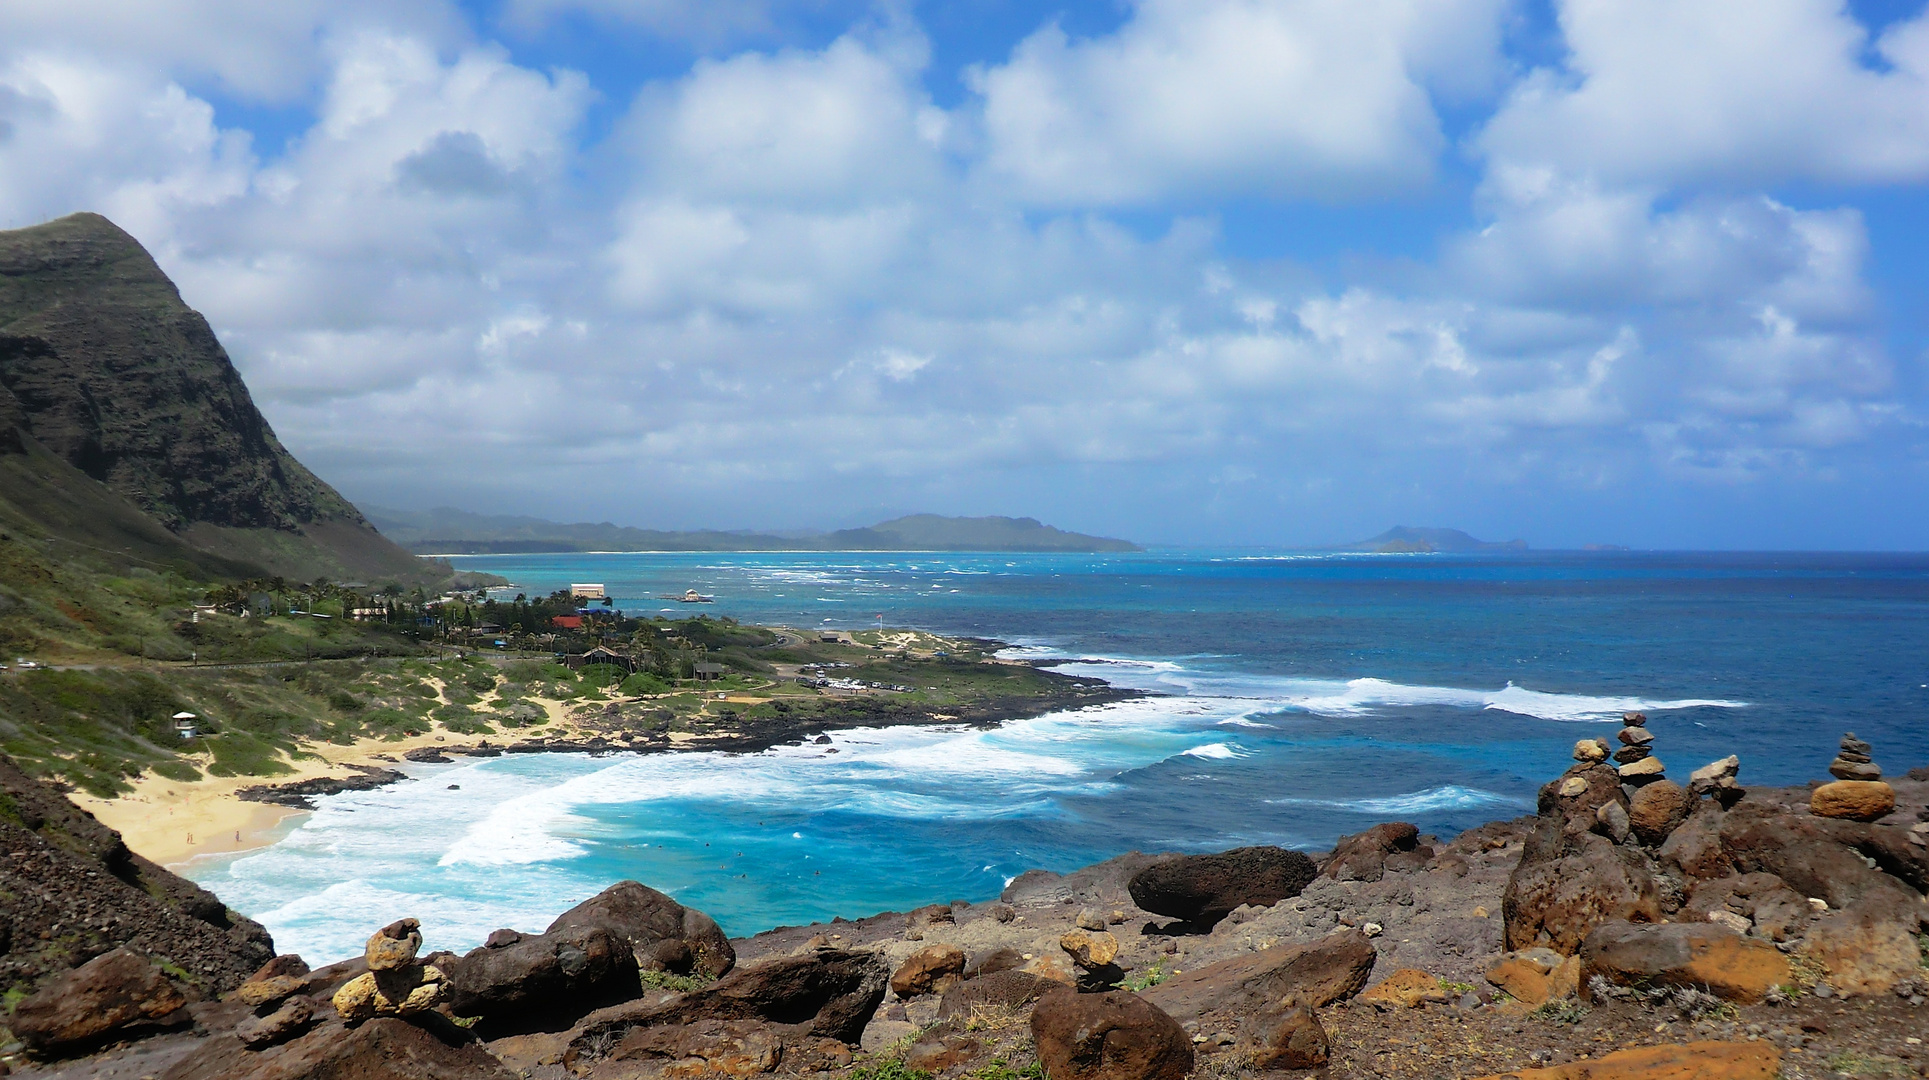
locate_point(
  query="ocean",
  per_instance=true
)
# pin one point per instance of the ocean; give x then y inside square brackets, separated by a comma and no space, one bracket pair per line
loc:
[1299,697]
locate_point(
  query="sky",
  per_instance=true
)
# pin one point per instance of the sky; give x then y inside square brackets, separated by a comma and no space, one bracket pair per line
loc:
[1266,272]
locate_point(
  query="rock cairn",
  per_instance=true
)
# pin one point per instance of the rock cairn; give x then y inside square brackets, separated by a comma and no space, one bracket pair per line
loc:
[1636,761]
[1858,793]
[1853,762]
[396,984]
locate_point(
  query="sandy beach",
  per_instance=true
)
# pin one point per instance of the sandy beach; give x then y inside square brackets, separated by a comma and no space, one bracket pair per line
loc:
[173,823]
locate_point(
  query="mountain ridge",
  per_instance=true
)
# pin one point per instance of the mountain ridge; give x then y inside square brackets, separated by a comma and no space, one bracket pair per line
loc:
[448,531]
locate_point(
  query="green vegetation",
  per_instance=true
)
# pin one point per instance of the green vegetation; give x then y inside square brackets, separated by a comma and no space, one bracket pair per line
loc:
[1563,1011]
[1852,1063]
[1150,977]
[886,1068]
[664,980]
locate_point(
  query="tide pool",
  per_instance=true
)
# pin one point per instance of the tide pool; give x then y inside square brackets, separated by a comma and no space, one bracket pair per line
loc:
[1300,697]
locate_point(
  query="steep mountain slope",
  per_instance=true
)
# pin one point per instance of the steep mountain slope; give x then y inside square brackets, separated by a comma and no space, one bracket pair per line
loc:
[105,368]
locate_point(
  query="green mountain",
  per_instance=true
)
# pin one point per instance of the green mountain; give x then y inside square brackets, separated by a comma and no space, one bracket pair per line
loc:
[455,532]
[124,426]
[1402,538]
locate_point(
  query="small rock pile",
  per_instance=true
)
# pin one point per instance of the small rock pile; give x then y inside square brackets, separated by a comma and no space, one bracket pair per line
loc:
[1636,760]
[1858,793]
[396,984]
[1854,763]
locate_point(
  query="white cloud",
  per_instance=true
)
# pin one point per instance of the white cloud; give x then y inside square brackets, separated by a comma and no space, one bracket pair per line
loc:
[1738,91]
[1194,99]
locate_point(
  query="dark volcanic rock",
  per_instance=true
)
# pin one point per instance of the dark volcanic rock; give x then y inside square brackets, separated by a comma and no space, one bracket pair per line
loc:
[381,1049]
[1314,974]
[1008,989]
[64,869]
[300,794]
[1703,956]
[1287,1036]
[721,1048]
[113,996]
[1570,878]
[665,935]
[829,994]
[1110,1036]
[1200,890]
[1362,857]
[589,958]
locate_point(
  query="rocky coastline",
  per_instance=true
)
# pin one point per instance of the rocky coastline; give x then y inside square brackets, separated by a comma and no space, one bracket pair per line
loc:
[1631,928]
[618,731]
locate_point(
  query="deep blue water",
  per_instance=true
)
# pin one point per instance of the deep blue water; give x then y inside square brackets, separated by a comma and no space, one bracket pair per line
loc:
[1307,696]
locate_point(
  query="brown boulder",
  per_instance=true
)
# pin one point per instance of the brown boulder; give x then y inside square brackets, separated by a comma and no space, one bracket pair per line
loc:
[1090,949]
[1111,1036]
[394,946]
[1853,800]
[721,1048]
[1870,946]
[1695,846]
[1566,885]
[1407,988]
[1693,1061]
[941,1049]
[543,982]
[828,993]
[1315,974]
[1288,1036]
[926,969]
[286,1022]
[382,1049]
[1537,975]
[1000,991]
[993,961]
[1816,856]
[1200,890]
[1656,810]
[1704,956]
[661,933]
[116,995]
[1362,856]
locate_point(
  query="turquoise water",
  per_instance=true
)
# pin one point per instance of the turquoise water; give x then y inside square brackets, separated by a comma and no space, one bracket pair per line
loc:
[1300,697]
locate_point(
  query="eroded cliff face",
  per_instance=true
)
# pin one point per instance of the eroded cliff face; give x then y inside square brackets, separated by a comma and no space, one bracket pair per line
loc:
[104,365]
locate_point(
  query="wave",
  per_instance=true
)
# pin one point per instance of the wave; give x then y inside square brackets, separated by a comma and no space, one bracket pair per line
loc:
[1431,801]
[1218,751]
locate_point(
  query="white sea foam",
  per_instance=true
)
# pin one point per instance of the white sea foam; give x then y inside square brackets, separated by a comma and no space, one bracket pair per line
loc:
[1431,801]
[1218,751]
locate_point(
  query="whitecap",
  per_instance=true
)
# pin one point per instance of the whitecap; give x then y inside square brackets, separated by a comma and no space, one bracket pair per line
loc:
[1431,801]
[1218,752]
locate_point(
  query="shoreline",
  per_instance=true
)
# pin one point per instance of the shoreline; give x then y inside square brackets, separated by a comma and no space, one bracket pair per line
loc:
[176,823]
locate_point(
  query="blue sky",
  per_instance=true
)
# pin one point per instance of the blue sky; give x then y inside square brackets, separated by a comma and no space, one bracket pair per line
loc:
[1212,271]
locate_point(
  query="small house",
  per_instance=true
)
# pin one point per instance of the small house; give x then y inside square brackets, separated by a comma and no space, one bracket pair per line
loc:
[587,592]
[185,726]
[600,655]
[707,671]
[567,622]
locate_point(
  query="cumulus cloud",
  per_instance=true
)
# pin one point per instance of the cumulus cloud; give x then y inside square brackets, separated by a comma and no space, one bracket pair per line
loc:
[1737,91]
[1273,97]
[789,282]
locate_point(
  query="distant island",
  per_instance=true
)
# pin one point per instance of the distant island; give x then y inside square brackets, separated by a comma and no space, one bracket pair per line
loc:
[1406,539]
[447,531]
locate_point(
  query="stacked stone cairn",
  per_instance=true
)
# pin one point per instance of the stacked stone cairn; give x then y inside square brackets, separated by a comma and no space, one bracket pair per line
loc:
[1637,764]
[1858,793]
[396,983]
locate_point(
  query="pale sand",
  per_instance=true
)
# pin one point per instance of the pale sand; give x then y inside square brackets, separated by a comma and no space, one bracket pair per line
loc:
[172,822]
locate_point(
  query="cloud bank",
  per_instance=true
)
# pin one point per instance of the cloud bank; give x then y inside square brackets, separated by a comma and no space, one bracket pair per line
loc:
[796,280]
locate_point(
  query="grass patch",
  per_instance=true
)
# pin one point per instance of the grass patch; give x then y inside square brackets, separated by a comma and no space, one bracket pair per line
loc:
[891,1068]
[1851,1063]
[665,980]
[1568,1012]
[1150,977]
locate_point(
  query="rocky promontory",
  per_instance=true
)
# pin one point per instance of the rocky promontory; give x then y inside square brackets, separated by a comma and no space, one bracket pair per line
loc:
[1634,927]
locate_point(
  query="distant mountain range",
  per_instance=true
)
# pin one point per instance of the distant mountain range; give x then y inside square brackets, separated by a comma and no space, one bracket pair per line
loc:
[446,531]
[1402,538]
